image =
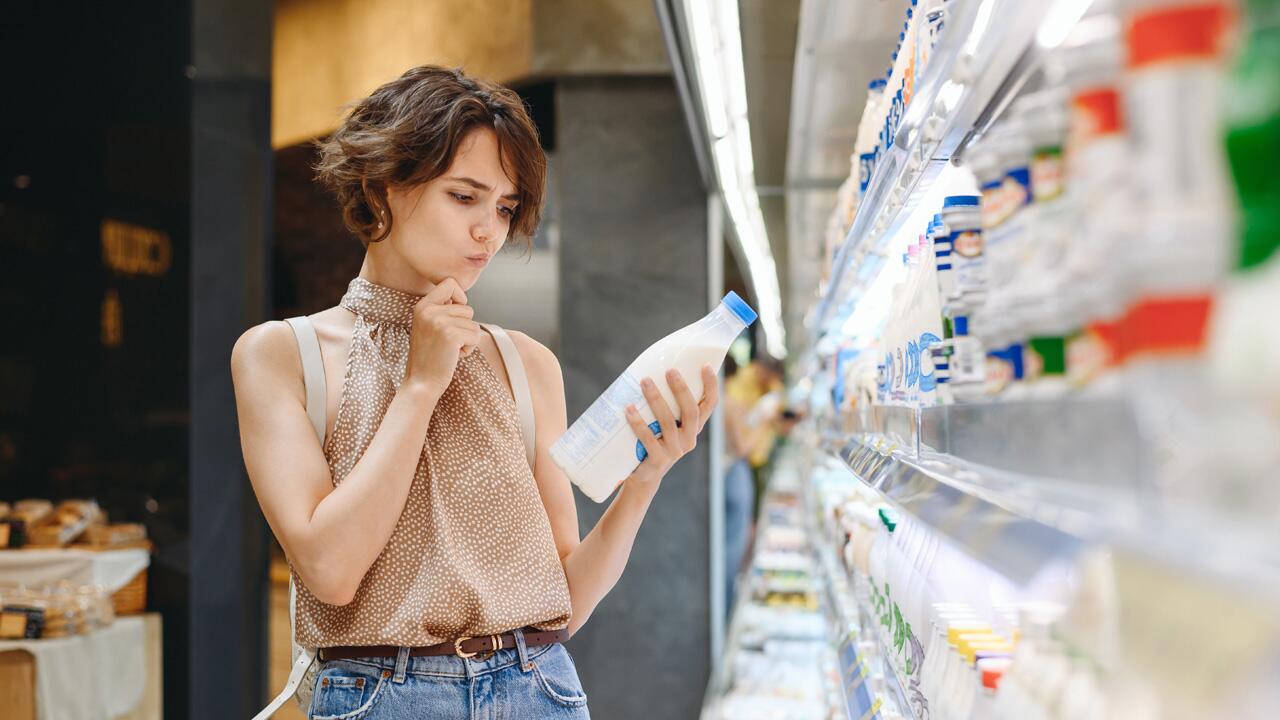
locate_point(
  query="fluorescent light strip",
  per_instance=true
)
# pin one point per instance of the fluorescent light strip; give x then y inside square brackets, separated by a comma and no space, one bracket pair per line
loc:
[716,41]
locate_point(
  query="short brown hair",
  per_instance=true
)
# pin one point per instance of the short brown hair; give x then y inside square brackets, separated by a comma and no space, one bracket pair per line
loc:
[407,132]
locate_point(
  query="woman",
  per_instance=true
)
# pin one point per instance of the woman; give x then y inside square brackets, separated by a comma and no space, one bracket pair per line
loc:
[436,570]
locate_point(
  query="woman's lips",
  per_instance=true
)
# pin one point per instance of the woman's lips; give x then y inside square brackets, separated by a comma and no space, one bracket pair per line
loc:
[478,260]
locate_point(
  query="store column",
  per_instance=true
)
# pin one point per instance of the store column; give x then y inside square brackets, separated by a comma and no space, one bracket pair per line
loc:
[634,267]
[230,221]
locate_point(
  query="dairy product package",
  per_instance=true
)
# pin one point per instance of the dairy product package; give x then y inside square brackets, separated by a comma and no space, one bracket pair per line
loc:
[600,450]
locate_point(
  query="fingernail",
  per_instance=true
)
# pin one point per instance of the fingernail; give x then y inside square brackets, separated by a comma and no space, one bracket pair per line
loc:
[631,409]
[647,383]
[673,373]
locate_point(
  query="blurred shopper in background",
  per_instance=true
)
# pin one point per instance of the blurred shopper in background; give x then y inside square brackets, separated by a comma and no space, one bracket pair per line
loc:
[751,405]
[437,557]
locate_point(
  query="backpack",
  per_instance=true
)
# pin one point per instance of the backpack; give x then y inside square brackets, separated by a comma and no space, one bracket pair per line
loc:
[302,676]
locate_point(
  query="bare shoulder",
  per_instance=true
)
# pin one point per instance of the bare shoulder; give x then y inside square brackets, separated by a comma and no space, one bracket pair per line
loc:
[537,357]
[266,352]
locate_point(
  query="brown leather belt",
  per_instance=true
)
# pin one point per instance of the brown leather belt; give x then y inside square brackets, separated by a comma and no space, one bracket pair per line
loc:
[478,648]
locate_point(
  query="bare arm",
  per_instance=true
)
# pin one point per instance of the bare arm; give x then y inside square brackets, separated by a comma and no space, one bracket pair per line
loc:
[332,535]
[594,564]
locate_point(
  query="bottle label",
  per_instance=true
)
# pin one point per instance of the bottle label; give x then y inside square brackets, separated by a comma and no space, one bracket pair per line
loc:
[1090,352]
[641,453]
[967,247]
[866,165]
[606,416]
[1095,113]
[1004,368]
[928,379]
[1047,174]
[1045,357]
[1170,325]
[1003,198]
[967,243]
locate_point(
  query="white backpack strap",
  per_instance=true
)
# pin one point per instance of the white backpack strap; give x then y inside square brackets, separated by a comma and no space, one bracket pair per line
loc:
[312,372]
[316,392]
[299,671]
[519,388]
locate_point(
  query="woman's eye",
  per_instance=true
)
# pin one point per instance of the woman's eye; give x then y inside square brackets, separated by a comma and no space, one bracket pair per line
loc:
[460,197]
[509,212]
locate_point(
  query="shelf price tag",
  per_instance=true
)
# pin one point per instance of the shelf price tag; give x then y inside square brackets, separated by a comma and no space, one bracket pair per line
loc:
[854,671]
[873,711]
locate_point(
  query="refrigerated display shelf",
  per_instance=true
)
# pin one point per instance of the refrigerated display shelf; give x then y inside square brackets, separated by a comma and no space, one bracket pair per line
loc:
[1174,575]
[856,671]
[1017,523]
[781,636]
[984,57]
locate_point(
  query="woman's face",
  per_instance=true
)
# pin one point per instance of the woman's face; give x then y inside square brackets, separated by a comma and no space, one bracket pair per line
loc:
[452,226]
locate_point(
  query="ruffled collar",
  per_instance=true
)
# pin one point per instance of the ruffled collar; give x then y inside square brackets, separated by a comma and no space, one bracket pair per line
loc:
[379,303]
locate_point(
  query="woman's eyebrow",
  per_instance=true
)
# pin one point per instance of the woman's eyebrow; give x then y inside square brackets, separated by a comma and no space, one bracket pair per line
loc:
[481,186]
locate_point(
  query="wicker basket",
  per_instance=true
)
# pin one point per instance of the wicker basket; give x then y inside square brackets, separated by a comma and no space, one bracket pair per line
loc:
[132,598]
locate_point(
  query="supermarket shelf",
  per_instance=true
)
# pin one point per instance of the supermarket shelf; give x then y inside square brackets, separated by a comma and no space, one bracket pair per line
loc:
[966,512]
[848,616]
[1018,521]
[757,629]
[1160,571]
[852,665]
[983,58]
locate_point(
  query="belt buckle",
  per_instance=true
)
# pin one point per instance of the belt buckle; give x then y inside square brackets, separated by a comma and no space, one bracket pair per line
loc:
[495,643]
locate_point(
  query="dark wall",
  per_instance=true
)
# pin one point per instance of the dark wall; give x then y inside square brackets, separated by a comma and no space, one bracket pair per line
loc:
[96,126]
[114,379]
[315,257]
[230,238]
[634,267]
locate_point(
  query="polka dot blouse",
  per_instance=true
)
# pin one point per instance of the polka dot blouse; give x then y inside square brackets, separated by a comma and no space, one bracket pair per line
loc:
[472,553]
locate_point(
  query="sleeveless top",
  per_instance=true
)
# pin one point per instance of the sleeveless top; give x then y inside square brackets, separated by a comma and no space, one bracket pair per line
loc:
[472,553]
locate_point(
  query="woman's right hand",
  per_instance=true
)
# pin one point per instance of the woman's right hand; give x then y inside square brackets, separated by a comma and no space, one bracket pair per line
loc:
[442,333]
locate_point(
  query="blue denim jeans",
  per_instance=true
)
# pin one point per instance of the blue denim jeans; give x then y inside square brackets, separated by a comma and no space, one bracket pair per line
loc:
[739,500]
[523,682]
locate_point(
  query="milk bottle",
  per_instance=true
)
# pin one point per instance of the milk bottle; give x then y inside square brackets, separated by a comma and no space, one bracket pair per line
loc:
[600,450]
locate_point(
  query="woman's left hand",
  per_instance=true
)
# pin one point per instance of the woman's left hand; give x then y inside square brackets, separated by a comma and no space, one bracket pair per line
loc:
[674,439]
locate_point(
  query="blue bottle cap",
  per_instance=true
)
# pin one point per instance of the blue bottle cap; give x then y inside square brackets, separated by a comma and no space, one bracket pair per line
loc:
[961,201]
[960,325]
[739,308]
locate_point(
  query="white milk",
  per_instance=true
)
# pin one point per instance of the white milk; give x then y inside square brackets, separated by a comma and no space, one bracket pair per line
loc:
[600,450]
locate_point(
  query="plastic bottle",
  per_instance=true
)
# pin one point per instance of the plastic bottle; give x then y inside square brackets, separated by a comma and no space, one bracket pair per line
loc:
[962,218]
[1245,361]
[1253,134]
[911,33]
[938,648]
[1004,225]
[600,450]
[1173,92]
[1099,170]
[967,362]
[942,258]
[864,146]
[990,672]
[929,15]
[1040,281]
